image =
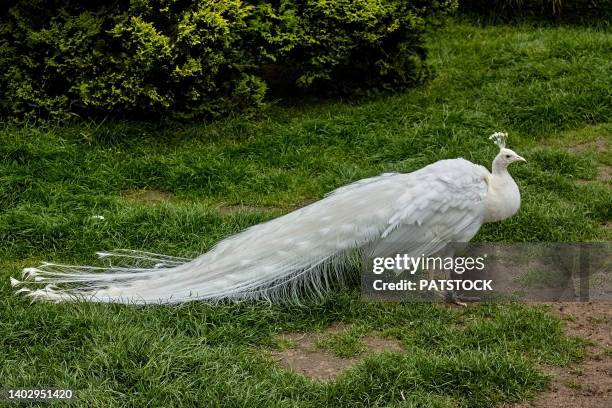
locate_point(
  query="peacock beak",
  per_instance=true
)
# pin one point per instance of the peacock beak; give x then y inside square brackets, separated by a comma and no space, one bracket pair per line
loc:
[519,158]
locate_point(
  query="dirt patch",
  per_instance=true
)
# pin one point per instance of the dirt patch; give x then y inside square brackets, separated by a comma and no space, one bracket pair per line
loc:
[605,173]
[598,145]
[306,358]
[601,145]
[229,209]
[588,384]
[378,344]
[148,196]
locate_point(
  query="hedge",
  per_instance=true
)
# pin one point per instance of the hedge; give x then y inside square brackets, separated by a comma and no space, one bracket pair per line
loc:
[580,11]
[203,58]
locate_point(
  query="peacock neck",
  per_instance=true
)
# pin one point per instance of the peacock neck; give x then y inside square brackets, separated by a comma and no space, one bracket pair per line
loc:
[500,169]
[503,196]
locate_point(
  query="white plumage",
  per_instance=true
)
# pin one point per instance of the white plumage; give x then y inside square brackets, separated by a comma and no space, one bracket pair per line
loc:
[417,213]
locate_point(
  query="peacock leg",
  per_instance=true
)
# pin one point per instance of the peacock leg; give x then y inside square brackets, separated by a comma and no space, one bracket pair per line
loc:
[453,296]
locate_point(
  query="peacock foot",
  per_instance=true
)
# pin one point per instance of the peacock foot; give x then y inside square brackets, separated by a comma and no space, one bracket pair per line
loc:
[459,299]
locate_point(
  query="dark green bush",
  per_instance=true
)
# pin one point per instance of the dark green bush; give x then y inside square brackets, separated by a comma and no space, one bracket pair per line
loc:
[203,58]
[583,11]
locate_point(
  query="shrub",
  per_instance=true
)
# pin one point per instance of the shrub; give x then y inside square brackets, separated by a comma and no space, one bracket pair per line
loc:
[191,59]
[567,10]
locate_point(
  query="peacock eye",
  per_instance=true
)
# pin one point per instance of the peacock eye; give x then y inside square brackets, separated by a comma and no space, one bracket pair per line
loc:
[507,156]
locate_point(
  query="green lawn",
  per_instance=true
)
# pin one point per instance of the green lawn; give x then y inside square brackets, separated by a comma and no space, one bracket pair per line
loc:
[549,87]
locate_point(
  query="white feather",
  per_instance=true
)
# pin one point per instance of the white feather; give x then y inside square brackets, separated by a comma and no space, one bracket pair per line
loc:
[302,252]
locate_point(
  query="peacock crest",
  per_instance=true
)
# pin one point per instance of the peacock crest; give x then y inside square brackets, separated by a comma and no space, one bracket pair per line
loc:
[499,138]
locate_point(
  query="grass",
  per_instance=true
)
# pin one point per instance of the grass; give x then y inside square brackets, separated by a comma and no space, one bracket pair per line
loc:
[548,86]
[344,344]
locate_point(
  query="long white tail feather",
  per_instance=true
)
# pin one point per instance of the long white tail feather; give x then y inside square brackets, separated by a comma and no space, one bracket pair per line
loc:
[301,253]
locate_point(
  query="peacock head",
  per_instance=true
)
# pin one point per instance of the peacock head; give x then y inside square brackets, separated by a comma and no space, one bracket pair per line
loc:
[505,155]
